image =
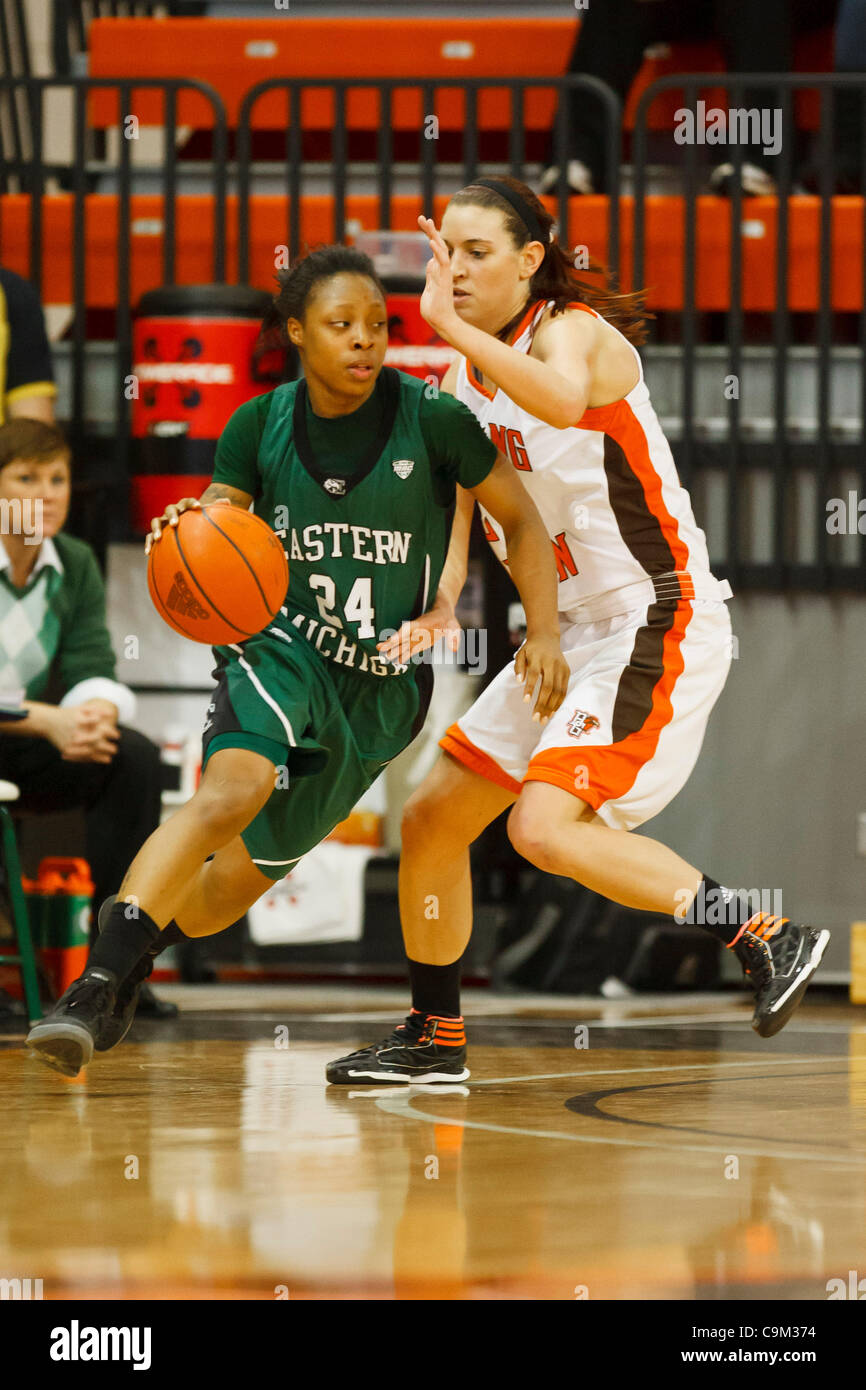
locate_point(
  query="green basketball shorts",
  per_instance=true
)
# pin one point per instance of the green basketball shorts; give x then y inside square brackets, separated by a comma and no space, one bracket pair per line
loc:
[329,732]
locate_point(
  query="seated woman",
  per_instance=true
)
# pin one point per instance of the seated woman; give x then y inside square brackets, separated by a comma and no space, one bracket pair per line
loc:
[53,638]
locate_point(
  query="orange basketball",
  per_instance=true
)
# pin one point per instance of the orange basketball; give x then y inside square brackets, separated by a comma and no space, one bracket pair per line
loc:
[219,576]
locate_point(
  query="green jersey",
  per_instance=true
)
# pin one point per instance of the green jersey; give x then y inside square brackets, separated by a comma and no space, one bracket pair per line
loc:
[365,543]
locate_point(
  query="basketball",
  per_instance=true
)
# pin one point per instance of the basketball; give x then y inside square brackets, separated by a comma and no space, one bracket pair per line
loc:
[219,576]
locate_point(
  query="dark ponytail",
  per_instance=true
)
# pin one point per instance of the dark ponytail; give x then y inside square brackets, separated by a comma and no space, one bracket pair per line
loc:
[556,277]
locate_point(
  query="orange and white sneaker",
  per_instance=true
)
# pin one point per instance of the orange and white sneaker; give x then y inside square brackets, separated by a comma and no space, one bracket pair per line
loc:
[422,1050]
[779,959]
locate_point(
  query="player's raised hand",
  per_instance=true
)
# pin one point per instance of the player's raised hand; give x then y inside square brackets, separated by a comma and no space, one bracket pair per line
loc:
[437,301]
[540,663]
[170,517]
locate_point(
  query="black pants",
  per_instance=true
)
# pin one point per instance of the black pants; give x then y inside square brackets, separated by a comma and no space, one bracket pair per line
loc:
[120,799]
[757,36]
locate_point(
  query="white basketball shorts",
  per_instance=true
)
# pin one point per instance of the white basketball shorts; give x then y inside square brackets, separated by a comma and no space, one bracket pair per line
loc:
[629,731]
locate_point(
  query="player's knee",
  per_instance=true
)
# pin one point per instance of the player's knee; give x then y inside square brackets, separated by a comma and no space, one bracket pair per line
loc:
[526,831]
[225,811]
[426,822]
[415,820]
[229,893]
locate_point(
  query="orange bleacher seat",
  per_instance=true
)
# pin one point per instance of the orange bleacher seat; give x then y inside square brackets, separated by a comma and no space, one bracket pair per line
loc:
[232,55]
[665,237]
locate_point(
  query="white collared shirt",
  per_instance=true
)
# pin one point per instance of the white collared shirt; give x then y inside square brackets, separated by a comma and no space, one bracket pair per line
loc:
[47,556]
[94,687]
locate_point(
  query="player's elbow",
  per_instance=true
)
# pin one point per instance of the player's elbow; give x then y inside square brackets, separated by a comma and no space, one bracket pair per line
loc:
[568,410]
[513,528]
[520,527]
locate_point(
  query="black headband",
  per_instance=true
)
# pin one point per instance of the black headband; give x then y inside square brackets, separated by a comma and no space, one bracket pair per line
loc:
[521,207]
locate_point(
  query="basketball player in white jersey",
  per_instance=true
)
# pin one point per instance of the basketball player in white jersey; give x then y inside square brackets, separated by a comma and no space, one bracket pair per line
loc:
[547,364]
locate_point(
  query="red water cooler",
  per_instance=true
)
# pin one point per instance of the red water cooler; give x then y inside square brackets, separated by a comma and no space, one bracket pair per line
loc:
[193,363]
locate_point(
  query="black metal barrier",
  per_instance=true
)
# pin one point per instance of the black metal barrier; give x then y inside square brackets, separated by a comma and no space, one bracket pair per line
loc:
[429,174]
[80,176]
[797,472]
[825,451]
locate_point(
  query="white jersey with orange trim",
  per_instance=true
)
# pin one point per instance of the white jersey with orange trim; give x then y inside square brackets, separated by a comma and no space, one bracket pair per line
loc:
[607,490]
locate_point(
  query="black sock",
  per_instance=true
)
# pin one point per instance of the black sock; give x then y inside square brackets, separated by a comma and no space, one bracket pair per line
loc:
[170,935]
[436,988]
[717,910]
[124,940]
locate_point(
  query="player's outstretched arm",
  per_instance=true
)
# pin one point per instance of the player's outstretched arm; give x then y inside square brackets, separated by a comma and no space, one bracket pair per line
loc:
[216,492]
[540,661]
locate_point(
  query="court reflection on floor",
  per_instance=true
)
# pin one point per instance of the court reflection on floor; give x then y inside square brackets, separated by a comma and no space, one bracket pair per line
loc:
[227,1169]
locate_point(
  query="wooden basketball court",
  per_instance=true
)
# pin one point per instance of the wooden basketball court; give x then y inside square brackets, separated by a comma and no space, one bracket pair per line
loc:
[645,1149]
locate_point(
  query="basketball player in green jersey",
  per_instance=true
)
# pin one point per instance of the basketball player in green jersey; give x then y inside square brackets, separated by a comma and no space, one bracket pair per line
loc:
[355,467]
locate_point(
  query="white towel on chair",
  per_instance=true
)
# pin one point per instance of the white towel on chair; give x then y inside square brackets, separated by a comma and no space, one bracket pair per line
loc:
[321,900]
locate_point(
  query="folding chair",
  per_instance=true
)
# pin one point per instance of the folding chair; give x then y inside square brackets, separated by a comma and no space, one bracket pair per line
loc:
[24,959]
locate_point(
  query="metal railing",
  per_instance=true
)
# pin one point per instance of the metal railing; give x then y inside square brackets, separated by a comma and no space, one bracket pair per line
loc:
[773,485]
[79,178]
[15,61]
[431,177]
[832,448]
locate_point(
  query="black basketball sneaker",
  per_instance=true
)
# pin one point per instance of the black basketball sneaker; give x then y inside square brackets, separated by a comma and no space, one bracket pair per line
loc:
[66,1037]
[119,1022]
[779,958]
[423,1050]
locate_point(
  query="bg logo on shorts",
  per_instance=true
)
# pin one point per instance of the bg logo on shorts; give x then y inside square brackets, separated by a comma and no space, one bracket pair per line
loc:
[581,723]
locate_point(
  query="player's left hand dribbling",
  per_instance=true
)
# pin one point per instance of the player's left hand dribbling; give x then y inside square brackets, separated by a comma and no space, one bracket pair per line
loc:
[170,517]
[540,663]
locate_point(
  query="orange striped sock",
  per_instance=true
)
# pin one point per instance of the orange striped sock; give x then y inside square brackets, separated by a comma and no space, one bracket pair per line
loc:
[449,1031]
[762,924]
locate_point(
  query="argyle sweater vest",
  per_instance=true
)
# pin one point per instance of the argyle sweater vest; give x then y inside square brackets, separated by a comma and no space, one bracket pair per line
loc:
[53,632]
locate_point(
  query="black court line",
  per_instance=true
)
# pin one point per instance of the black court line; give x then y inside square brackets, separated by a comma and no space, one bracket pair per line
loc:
[588,1104]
